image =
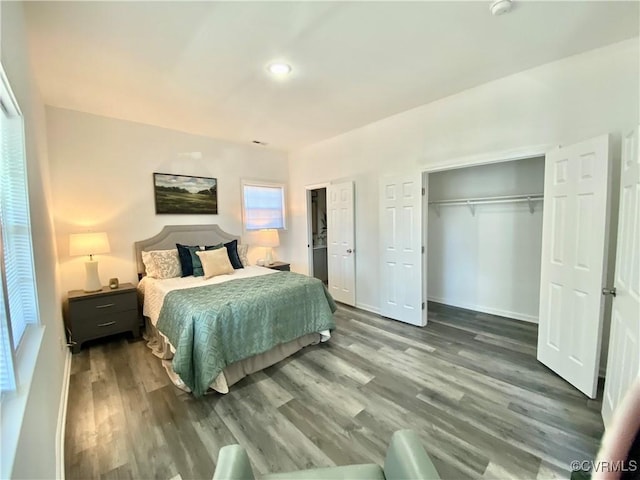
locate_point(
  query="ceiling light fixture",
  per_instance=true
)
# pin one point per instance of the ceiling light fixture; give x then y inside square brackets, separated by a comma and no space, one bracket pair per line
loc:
[500,7]
[279,69]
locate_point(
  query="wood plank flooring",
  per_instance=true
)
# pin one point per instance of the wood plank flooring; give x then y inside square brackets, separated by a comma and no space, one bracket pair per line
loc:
[468,383]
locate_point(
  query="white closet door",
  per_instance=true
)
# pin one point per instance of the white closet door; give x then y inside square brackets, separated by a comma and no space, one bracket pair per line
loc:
[341,242]
[623,363]
[401,293]
[574,251]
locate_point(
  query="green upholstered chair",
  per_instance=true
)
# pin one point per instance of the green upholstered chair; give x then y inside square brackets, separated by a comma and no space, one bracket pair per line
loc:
[406,459]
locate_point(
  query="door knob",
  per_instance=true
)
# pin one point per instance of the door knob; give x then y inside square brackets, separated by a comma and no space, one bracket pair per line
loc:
[609,291]
[349,251]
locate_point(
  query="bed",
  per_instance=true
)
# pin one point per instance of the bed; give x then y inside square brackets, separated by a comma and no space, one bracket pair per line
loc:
[211,333]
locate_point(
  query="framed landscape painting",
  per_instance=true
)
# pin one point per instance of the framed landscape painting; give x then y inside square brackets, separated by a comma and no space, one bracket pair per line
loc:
[185,194]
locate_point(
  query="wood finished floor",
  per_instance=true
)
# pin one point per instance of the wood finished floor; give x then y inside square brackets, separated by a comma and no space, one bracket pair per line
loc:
[468,383]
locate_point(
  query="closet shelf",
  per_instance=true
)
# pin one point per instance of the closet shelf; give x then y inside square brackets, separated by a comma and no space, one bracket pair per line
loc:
[472,202]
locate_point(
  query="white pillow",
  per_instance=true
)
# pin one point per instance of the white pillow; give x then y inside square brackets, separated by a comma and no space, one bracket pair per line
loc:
[162,263]
[242,253]
[215,262]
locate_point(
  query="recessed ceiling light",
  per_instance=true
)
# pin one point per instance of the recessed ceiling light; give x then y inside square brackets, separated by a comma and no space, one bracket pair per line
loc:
[279,68]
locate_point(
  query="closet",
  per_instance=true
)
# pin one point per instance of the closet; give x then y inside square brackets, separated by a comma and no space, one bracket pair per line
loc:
[484,240]
[484,237]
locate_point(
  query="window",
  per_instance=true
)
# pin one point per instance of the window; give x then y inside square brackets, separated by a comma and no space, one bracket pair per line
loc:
[263,205]
[18,307]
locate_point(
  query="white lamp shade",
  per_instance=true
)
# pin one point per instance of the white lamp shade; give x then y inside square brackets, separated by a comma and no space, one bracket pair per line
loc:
[88,244]
[269,238]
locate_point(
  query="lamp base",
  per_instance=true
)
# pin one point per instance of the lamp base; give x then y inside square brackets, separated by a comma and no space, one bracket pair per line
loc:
[269,260]
[92,282]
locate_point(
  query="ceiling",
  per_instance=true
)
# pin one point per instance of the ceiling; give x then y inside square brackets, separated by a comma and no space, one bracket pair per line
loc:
[200,67]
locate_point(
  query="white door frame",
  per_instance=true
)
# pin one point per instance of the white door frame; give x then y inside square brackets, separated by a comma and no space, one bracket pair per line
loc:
[424,228]
[500,156]
[308,189]
[477,160]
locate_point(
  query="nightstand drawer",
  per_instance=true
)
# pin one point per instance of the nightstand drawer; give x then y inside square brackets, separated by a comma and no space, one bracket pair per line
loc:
[102,306]
[93,315]
[103,325]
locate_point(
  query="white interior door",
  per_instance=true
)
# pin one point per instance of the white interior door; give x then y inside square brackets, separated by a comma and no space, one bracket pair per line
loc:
[401,293]
[574,252]
[623,363]
[341,242]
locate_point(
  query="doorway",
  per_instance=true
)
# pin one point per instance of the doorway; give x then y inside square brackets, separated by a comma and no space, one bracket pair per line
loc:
[484,238]
[319,231]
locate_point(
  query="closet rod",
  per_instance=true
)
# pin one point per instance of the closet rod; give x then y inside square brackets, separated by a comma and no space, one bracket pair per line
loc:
[472,202]
[479,200]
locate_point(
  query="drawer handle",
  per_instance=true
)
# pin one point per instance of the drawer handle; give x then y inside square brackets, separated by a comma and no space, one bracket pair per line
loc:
[106,305]
[107,324]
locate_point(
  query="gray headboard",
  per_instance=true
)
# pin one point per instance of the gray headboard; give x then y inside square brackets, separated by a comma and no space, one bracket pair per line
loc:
[185,234]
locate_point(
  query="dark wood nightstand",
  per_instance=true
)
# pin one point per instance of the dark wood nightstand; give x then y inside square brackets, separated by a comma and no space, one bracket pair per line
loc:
[99,314]
[285,267]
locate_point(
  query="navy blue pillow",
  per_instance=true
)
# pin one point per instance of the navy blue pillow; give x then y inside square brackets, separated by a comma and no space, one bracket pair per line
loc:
[232,251]
[198,271]
[185,259]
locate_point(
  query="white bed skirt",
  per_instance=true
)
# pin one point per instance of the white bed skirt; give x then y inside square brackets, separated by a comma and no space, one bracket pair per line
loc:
[235,372]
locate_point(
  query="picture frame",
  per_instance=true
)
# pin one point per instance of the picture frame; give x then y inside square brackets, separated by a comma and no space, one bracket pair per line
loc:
[185,194]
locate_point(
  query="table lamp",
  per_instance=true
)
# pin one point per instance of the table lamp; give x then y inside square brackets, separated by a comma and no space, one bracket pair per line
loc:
[269,239]
[89,244]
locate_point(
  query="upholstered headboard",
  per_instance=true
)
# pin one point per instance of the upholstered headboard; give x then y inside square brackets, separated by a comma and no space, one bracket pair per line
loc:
[184,234]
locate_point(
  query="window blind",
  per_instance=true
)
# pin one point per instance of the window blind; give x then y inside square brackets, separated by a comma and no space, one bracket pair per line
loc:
[20,308]
[7,378]
[263,206]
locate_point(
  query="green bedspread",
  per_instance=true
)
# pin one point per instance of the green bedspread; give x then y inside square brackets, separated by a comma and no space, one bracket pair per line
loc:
[212,326]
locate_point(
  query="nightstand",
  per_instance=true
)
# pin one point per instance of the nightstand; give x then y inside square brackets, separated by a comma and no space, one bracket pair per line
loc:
[99,314]
[285,267]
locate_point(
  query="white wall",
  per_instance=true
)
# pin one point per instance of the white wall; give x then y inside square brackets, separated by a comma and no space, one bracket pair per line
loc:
[558,103]
[101,178]
[490,261]
[497,179]
[34,421]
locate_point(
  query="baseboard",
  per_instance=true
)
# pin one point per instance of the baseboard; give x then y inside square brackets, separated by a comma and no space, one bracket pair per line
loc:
[491,311]
[62,417]
[368,308]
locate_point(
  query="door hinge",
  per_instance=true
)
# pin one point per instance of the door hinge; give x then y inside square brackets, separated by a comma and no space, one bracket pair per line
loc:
[423,249]
[424,191]
[422,305]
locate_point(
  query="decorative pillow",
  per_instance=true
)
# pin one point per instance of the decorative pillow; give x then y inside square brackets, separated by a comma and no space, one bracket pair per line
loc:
[162,263]
[195,259]
[149,266]
[215,262]
[242,253]
[185,259]
[232,251]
